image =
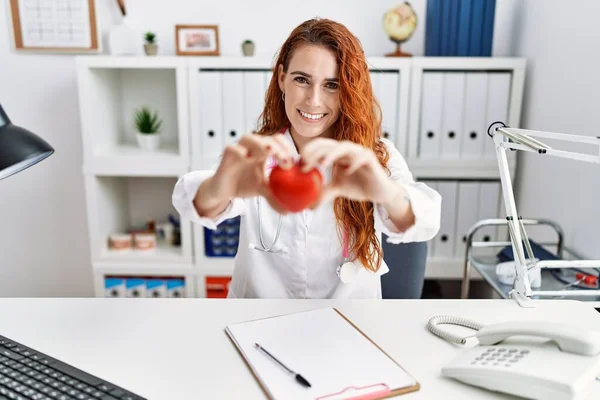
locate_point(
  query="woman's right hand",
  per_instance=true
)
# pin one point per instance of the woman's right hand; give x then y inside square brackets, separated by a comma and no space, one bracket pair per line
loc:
[241,173]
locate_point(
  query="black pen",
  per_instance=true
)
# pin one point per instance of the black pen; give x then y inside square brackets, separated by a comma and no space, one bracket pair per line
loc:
[299,377]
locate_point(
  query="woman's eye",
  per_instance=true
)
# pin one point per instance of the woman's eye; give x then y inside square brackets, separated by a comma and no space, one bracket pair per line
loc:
[332,86]
[300,79]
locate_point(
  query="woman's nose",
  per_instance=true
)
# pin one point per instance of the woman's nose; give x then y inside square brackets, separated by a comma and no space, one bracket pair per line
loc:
[314,97]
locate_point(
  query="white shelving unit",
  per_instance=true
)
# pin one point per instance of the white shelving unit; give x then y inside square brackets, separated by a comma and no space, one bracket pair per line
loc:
[493,87]
[208,267]
[116,204]
[207,102]
[125,185]
[110,90]
[483,73]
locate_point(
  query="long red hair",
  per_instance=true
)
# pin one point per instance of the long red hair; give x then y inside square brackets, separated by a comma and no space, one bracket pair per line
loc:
[359,122]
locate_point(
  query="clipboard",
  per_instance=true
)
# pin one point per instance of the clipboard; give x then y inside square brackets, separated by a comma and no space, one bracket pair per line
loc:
[334,355]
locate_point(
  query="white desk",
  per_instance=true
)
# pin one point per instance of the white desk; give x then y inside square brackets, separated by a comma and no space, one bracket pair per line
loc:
[170,349]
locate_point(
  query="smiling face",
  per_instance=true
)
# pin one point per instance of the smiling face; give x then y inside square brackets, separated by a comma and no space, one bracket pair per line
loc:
[311,90]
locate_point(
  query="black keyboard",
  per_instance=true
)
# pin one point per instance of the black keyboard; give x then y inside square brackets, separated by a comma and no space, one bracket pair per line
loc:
[27,374]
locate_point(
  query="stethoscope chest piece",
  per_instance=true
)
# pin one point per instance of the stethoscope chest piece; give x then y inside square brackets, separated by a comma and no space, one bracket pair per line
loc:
[347,271]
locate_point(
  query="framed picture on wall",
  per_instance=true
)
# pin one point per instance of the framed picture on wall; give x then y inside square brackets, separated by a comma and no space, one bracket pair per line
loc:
[62,26]
[197,40]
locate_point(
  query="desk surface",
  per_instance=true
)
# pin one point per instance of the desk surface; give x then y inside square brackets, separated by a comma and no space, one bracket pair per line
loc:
[177,349]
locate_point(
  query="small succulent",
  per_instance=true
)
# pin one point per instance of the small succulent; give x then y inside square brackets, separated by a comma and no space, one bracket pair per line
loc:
[146,121]
[248,41]
[150,37]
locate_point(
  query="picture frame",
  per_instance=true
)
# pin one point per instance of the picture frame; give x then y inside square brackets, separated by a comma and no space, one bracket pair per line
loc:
[197,40]
[66,26]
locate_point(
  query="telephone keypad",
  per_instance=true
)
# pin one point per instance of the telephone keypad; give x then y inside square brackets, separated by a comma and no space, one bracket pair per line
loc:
[500,357]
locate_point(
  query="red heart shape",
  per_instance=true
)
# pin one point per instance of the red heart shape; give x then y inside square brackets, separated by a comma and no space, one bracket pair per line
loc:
[294,189]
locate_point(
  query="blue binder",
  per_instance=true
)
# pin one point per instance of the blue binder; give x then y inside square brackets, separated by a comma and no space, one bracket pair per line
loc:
[476,28]
[452,38]
[459,28]
[432,28]
[488,28]
[464,28]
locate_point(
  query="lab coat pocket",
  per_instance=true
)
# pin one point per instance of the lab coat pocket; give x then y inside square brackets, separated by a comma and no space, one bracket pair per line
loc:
[365,285]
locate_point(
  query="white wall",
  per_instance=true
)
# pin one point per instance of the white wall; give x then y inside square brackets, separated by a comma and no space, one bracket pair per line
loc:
[562,94]
[44,241]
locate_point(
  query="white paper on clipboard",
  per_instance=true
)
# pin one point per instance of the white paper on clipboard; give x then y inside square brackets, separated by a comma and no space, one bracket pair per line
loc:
[338,360]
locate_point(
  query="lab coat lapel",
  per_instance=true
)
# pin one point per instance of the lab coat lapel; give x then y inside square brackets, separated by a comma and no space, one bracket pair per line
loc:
[306,214]
[288,137]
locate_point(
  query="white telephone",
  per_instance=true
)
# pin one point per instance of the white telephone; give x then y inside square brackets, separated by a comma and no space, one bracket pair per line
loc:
[530,366]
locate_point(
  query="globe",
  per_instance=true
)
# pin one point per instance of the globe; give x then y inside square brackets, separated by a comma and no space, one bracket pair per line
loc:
[399,23]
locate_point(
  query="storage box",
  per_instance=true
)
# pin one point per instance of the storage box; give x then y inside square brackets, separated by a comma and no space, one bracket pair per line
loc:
[176,288]
[156,288]
[136,287]
[217,287]
[114,287]
[223,241]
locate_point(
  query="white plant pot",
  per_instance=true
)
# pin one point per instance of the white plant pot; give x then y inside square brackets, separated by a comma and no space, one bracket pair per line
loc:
[148,141]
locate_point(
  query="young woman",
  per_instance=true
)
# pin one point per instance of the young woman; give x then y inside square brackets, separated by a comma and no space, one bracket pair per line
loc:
[319,110]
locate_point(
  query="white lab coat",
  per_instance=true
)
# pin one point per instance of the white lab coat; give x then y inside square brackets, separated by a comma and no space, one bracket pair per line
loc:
[313,250]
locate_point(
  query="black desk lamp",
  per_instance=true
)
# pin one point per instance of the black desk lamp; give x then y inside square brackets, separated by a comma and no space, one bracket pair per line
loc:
[19,148]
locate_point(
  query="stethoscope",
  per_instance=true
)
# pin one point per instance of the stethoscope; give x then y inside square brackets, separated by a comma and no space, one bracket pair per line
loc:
[346,271]
[271,248]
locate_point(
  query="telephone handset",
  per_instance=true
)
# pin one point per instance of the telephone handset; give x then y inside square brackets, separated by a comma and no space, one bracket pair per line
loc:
[537,360]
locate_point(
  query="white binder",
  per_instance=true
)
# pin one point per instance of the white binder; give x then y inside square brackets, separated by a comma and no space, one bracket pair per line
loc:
[211,113]
[254,99]
[467,214]
[498,96]
[474,132]
[233,106]
[445,239]
[385,88]
[431,115]
[452,117]
[431,243]
[489,200]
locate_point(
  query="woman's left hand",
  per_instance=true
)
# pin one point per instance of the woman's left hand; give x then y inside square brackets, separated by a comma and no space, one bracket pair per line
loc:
[356,172]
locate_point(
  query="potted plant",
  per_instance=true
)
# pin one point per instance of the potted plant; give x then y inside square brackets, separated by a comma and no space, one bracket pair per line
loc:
[148,125]
[150,47]
[248,47]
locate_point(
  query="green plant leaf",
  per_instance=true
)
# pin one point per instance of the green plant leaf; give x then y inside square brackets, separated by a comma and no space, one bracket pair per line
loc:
[147,121]
[150,37]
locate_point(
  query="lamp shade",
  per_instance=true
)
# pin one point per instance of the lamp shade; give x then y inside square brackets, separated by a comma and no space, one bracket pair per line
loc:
[19,148]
